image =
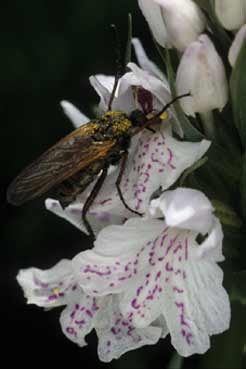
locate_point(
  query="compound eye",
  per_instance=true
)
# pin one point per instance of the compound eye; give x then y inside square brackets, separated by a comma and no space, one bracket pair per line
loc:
[137,118]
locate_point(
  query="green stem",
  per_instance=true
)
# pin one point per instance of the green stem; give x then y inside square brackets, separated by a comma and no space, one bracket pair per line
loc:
[208,124]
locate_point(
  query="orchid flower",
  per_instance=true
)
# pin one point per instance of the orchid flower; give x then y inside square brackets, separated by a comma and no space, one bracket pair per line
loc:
[160,273]
[159,269]
[156,160]
[83,313]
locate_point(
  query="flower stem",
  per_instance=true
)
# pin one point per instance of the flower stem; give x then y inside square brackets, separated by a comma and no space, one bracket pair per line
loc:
[208,124]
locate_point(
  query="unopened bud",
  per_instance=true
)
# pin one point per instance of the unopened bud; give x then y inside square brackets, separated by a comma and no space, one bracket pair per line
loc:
[236,45]
[174,23]
[231,13]
[201,72]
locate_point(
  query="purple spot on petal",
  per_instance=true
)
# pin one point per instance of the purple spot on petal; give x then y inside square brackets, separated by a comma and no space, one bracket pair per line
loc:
[179,290]
[134,304]
[168,267]
[158,275]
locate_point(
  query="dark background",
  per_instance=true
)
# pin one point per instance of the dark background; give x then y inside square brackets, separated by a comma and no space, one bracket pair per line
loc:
[49,49]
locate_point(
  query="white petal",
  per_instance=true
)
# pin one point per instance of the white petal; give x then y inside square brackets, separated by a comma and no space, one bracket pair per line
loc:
[123,100]
[74,114]
[153,16]
[78,319]
[138,232]
[184,21]
[143,299]
[185,208]
[158,162]
[99,216]
[106,81]
[102,91]
[167,275]
[206,80]
[231,14]
[51,287]
[211,247]
[117,335]
[196,304]
[72,213]
[236,45]
[161,323]
[140,77]
[110,265]
[147,64]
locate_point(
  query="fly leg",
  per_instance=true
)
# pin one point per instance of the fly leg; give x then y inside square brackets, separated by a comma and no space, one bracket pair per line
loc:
[90,200]
[118,182]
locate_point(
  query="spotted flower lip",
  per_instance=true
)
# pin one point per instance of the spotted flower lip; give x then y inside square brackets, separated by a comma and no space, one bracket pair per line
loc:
[159,269]
[58,286]
[156,161]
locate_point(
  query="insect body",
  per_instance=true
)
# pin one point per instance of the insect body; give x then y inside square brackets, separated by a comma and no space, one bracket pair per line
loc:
[77,159]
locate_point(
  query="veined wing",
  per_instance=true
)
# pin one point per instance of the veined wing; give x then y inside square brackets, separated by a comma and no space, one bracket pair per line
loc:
[71,154]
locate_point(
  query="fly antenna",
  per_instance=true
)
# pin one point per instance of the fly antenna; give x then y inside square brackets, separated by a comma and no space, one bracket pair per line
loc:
[118,66]
[167,106]
[153,120]
[128,53]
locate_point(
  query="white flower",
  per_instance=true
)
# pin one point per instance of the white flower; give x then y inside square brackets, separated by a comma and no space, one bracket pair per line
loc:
[134,86]
[236,45]
[231,14]
[206,79]
[156,161]
[58,286]
[173,22]
[147,64]
[74,114]
[144,88]
[159,269]
[140,88]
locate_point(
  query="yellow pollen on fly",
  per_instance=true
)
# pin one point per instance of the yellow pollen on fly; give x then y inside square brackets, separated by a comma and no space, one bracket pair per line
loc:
[112,114]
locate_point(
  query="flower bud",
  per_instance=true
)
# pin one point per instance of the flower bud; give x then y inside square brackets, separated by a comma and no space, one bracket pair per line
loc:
[174,23]
[236,45]
[153,15]
[201,72]
[231,14]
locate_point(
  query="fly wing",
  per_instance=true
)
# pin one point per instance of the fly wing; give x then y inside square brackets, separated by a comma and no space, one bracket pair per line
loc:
[71,154]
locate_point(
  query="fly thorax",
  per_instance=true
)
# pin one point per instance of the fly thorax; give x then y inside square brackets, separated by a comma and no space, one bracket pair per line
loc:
[114,125]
